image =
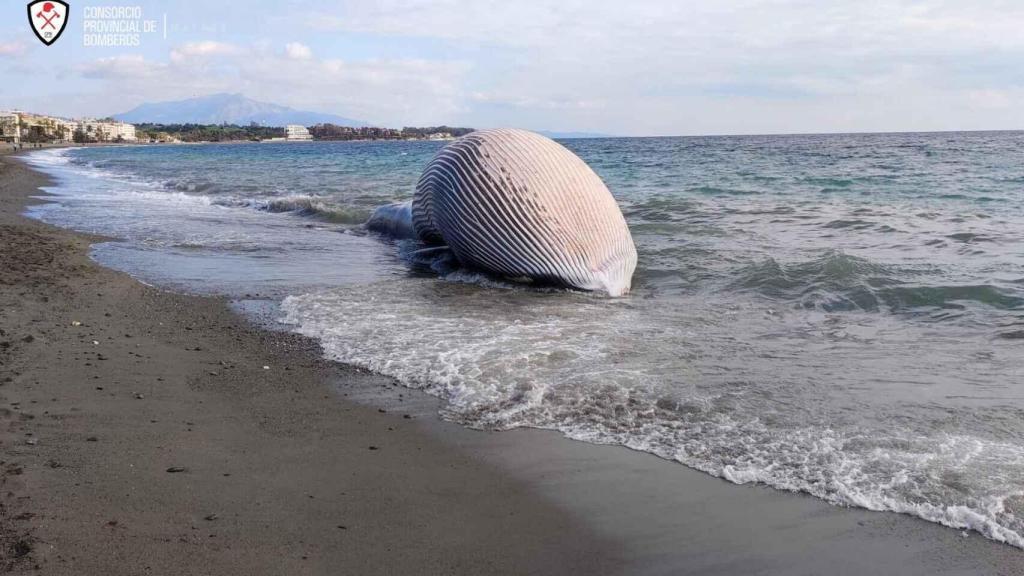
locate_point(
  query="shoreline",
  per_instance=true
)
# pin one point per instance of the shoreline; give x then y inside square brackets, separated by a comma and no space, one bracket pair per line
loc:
[577,508]
[144,435]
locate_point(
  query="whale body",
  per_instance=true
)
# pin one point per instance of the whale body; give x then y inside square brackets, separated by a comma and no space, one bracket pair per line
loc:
[517,204]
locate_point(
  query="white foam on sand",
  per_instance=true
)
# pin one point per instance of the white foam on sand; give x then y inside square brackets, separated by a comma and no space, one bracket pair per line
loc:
[669,382]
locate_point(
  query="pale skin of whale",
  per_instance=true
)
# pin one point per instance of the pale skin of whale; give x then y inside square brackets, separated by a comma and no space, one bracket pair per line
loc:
[518,205]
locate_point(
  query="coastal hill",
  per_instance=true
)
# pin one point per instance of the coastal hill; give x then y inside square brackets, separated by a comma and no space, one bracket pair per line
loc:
[228,109]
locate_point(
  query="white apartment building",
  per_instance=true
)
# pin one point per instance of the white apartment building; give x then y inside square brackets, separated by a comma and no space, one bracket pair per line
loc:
[10,127]
[121,131]
[38,128]
[17,127]
[65,130]
[103,131]
[296,132]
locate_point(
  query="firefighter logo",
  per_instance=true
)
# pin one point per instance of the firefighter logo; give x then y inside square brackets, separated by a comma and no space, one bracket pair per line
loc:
[48,18]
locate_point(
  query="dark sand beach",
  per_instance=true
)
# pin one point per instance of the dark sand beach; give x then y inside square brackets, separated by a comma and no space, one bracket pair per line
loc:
[146,432]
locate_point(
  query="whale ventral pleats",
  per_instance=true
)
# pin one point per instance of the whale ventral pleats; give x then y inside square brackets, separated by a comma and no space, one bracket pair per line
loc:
[517,204]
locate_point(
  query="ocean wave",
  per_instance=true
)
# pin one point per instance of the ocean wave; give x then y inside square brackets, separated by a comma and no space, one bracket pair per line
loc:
[834,282]
[838,282]
[721,191]
[931,478]
[854,223]
[956,297]
[313,206]
[628,373]
[970,237]
[660,209]
[48,157]
[830,183]
[207,192]
[192,187]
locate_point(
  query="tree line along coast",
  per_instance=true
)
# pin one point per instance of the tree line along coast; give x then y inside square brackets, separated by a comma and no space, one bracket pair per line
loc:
[257,133]
[19,128]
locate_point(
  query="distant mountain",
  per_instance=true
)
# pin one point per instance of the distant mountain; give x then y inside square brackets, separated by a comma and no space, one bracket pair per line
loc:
[230,108]
[569,135]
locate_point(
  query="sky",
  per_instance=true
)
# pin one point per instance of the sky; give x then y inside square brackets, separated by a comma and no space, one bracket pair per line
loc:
[632,68]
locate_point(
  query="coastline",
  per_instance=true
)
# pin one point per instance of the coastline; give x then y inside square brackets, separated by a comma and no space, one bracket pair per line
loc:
[433,498]
[280,476]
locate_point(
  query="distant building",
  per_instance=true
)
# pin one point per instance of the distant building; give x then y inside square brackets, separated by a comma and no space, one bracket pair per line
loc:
[64,130]
[10,127]
[91,130]
[121,131]
[19,127]
[36,128]
[106,131]
[296,132]
[440,136]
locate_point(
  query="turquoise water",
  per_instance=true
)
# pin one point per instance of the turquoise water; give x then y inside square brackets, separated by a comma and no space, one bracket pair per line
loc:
[839,315]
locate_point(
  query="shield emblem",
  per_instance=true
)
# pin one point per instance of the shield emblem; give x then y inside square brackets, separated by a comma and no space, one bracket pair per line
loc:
[48,18]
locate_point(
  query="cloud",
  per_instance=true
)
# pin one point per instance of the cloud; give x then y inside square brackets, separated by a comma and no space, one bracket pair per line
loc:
[297,51]
[387,91]
[699,26]
[202,49]
[128,66]
[995,99]
[649,67]
[561,103]
[585,65]
[12,48]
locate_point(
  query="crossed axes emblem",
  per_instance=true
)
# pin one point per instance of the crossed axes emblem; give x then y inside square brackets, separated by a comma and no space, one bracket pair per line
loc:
[47,8]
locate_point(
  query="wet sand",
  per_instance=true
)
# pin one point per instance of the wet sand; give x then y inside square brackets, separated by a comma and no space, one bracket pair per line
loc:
[141,434]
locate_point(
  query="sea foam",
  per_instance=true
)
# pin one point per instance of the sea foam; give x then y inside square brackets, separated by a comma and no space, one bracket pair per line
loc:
[679,387]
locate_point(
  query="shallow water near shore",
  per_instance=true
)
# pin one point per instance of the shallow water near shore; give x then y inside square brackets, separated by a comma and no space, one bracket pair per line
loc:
[838,315]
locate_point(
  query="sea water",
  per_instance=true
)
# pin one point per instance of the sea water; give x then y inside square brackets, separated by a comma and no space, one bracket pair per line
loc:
[840,315]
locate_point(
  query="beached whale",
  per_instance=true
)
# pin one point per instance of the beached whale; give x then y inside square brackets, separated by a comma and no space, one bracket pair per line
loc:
[519,205]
